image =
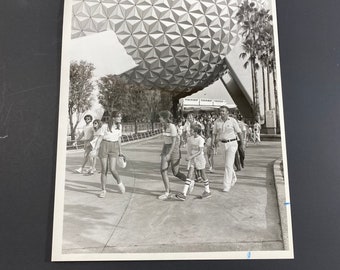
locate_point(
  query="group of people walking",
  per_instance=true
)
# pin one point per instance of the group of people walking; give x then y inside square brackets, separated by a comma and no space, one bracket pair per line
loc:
[102,139]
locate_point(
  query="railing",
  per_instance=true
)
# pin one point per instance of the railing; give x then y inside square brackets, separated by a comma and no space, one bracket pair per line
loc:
[144,130]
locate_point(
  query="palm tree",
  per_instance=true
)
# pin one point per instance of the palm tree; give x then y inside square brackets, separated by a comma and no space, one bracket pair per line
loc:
[248,18]
[248,48]
[266,47]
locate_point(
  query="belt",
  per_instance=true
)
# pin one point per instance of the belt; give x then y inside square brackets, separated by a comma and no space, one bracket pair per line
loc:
[226,141]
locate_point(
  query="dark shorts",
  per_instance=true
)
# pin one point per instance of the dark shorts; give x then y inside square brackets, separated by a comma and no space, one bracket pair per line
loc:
[107,149]
[176,153]
[87,146]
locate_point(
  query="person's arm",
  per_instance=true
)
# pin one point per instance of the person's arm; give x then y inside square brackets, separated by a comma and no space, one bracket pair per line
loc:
[201,149]
[240,135]
[81,135]
[197,153]
[213,136]
[100,138]
[120,145]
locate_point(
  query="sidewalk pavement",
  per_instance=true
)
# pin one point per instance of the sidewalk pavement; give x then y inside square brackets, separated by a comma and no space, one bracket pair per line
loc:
[246,218]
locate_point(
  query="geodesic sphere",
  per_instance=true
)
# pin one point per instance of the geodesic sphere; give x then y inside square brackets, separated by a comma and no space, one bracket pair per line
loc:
[178,44]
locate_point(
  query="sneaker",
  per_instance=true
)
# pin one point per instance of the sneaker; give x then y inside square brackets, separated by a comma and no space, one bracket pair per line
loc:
[102,194]
[191,186]
[80,170]
[180,196]
[206,194]
[121,188]
[226,189]
[90,172]
[199,179]
[164,196]
[210,169]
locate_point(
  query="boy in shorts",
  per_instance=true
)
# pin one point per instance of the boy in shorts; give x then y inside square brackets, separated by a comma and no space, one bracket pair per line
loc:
[197,161]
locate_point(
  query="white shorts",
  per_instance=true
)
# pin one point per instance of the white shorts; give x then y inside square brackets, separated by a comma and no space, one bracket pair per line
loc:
[198,163]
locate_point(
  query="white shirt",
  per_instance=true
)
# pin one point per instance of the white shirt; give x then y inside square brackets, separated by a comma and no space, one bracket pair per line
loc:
[226,130]
[194,144]
[171,131]
[113,135]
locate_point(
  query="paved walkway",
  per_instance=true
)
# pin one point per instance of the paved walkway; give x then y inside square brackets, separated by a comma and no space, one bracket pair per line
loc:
[246,218]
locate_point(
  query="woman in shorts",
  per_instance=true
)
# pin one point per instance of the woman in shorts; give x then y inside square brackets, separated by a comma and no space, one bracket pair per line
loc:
[109,148]
[171,154]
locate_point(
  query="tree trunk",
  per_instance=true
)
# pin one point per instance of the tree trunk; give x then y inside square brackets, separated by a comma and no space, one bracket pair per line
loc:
[136,128]
[174,109]
[253,86]
[268,89]
[257,105]
[277,112]
[264,91]
[72,129]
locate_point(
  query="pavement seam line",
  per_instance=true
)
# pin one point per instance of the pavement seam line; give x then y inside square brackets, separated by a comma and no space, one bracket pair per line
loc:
[125,210]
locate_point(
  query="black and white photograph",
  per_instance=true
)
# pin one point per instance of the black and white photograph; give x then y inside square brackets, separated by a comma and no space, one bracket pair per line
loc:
[171,135]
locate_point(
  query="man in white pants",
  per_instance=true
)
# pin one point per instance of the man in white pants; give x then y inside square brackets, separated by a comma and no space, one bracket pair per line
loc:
[224,131]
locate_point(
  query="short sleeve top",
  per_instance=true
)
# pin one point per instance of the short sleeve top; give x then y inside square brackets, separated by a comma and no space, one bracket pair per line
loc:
[195,144]
[226,130]
[112,135]
[88,132]
[169,132]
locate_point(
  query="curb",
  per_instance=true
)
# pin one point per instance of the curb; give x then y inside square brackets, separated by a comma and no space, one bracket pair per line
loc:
[281,200]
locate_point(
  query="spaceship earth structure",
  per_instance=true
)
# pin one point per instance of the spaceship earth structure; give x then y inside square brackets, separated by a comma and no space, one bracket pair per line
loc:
[179,45]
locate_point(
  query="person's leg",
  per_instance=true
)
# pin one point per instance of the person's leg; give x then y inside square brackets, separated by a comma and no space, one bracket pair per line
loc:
[241,154]
[165,178]
[103,176]
[229,155]
[209,155]
[87,150]
[188,183]
[94,162]
[212,160]
[237,161]
[206,193]
[112,167]
[175,163]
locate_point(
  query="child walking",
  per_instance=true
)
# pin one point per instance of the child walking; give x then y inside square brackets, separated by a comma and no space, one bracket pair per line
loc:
[197,161]
[210,151]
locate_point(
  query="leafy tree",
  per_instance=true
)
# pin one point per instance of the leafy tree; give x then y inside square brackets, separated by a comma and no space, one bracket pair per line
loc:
[153,99]
[136,104]
[135,101]
[80,91]
[258,45]
[113,93]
